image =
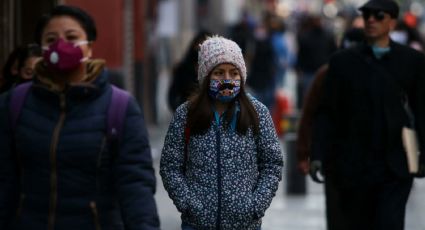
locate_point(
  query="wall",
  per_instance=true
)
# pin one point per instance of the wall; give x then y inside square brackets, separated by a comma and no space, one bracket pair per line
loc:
[108,15]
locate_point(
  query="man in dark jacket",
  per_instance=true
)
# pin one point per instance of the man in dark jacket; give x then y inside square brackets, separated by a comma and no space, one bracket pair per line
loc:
[357,129]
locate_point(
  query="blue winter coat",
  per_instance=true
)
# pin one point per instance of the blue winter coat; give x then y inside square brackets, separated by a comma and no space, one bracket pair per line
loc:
[230,178]
[64,174]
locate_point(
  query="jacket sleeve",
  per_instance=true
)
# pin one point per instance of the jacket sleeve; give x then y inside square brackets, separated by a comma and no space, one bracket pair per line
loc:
[172,160]
[270,163]
[134,174]
[419,107]
[324,118]
[303,145]
[8,167]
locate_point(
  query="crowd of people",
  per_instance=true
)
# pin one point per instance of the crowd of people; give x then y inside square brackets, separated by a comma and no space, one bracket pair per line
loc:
[75,152]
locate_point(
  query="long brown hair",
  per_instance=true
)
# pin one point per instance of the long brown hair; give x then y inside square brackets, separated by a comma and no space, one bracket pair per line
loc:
[201,114]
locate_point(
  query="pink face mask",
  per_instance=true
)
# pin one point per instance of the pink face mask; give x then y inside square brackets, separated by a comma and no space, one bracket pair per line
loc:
[62,56]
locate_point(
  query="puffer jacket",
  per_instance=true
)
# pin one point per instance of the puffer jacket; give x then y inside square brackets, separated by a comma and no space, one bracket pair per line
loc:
[230,179]
[63,173]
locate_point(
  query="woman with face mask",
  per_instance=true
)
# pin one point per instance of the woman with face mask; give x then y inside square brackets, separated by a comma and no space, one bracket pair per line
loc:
[58,168]
[221,162]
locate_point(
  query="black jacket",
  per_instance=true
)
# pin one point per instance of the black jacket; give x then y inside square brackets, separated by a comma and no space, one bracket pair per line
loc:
[357,129]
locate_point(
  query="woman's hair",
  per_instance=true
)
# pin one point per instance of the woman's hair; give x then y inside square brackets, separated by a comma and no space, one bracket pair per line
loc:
[85,20]
[17,59]
[200,112]
[28,51]
[7,70]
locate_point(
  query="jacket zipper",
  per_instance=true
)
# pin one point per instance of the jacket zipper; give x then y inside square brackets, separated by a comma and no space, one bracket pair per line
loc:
[53,165]
[218,177]
[93,208]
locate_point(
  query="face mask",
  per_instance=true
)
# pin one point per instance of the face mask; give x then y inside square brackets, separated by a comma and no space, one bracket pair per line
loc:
[63,56]
[224,90]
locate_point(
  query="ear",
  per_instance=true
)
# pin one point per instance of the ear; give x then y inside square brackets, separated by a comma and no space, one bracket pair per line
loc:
[90,49]
[393,23]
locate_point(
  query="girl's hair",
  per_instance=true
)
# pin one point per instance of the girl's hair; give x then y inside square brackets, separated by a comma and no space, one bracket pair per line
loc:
[200,112]
[85,20]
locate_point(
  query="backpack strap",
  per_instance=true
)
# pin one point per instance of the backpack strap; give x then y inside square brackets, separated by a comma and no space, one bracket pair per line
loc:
[116,114]
[18,95]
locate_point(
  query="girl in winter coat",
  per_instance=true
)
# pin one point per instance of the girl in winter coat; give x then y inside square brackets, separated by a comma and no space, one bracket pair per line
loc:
[221,163]
[58,170]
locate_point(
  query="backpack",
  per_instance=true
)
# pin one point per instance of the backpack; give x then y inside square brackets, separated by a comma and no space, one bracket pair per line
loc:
[115,117]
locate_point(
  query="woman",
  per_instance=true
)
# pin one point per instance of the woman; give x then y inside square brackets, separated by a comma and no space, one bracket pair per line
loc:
[27,59]
[58,170]
[221,163]
[19,67]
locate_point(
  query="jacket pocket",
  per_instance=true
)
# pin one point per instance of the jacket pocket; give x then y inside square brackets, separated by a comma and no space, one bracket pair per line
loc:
[95,213]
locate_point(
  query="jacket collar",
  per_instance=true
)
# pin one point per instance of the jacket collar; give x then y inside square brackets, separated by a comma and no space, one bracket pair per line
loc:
[93,83]
[367,50]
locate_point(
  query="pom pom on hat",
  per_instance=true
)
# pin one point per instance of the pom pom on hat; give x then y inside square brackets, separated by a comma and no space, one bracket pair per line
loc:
[218,50]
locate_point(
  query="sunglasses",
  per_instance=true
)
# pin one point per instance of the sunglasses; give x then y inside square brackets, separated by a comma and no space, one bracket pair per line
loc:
[379,15]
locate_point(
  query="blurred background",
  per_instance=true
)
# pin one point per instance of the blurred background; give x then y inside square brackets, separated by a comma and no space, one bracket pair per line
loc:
[144,40]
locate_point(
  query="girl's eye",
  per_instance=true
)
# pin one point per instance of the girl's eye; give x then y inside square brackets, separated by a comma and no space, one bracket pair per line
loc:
[50,40]
[71,38]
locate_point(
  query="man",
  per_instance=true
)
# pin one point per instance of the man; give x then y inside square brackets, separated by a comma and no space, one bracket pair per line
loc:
[352,37]
[357,128]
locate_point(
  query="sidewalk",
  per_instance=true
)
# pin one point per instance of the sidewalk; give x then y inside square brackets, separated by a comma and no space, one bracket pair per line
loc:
[304,212]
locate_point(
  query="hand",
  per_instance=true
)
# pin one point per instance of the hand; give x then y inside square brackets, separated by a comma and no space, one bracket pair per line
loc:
[315,169]
[421,171]
[304,166]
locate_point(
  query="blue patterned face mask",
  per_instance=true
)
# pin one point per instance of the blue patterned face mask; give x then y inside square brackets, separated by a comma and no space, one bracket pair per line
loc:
[224,90]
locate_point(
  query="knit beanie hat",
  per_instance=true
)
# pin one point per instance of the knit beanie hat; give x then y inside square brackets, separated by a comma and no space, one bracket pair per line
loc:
[218,50]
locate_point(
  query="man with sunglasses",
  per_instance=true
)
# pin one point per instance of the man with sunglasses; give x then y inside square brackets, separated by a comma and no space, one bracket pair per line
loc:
[357,128]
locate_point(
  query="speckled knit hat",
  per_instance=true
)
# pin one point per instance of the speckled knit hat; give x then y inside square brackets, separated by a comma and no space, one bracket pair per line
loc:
[217,50]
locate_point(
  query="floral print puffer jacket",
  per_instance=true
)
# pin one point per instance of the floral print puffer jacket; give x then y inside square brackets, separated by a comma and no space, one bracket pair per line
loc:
[230,179]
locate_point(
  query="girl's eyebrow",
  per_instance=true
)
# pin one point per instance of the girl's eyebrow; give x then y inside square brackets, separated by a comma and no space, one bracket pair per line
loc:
[70,31]
[66,32]
[222,69]
[50,33]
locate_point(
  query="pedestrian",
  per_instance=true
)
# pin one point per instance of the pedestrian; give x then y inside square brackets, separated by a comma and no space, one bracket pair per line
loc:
[358,126]
[221,162]
[351,38]
[58,168]
[185,76]
[262,74]
[27,58]
[19,67]
[315,46]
